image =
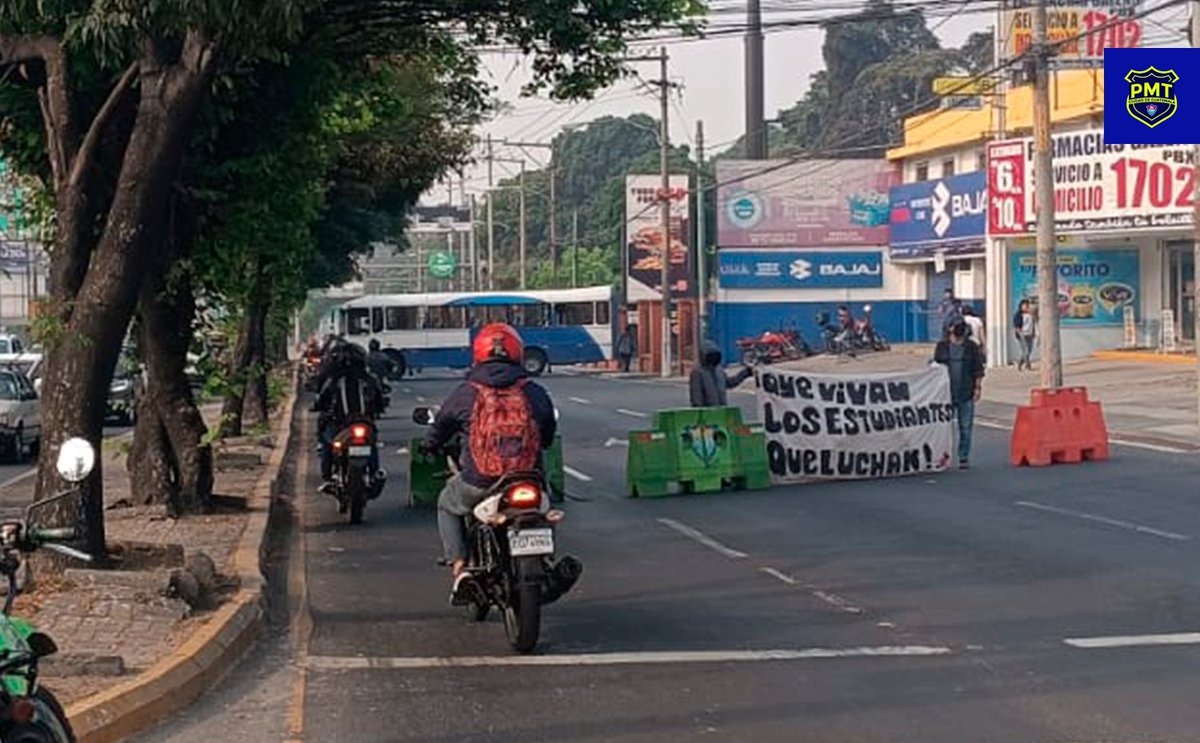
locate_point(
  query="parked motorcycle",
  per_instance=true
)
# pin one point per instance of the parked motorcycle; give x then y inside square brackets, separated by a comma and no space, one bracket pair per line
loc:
[30,713]
[865,336]
[511,543]
[355,481]
[773,346]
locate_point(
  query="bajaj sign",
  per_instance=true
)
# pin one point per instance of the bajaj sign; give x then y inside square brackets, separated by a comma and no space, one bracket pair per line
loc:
[947,216]
[800,269]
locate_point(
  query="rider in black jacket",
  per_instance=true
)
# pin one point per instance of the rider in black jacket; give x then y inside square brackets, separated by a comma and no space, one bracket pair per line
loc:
[348,392]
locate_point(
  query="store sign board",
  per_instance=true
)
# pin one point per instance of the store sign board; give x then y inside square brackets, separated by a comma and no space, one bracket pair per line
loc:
[1098,187]
[1094,286]
[1081,29]
[644,241]
[800,269]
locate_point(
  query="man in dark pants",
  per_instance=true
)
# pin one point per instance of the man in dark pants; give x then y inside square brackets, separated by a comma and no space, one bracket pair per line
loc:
[964,360]
[709,382]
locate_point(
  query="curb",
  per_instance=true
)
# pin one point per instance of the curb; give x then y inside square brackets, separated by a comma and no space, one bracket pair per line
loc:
[1146,357]
[215,647]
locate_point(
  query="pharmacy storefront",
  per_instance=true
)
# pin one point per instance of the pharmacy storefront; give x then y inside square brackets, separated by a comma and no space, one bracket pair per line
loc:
[1123,218]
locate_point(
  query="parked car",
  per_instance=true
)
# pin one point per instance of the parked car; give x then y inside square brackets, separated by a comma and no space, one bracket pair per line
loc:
[11,347]
[124,390]
[20,416]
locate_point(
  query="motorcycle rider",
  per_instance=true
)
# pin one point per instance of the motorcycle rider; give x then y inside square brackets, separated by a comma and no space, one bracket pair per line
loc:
[379,363]
[347,393]
[709,382]
[506,421]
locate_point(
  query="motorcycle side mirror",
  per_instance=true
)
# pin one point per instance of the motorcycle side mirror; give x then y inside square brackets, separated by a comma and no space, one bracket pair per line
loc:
[424,416]
[76,460]
[866,308]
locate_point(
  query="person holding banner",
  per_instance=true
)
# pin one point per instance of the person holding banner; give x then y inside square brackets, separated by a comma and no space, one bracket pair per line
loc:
[709,382]
[964,360]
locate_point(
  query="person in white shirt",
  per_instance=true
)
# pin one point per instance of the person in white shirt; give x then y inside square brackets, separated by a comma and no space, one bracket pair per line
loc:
[975,325]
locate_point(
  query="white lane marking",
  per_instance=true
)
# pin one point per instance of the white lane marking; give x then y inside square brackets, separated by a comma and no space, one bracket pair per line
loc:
[702,538]
[781,576]
[577,474]
[632,413]
[407,390]
[1128,525]
[1113,440]
[420,398]
[580,400]
[359,663]
[1127,641]
[19,478]
[836,601]
[615,442]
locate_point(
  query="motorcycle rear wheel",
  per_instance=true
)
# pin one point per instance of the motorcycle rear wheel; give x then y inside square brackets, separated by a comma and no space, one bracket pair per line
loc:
[356,491]
[523,618]
[41,731]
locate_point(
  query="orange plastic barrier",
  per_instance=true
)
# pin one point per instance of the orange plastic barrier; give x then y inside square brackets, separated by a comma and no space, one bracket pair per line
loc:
[1059,427]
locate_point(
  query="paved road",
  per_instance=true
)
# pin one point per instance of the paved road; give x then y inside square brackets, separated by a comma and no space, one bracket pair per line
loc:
[993,605]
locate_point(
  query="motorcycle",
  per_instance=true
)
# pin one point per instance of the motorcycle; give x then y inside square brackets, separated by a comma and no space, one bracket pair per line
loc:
[772,347]
[29,712]
[865,336]
[511,546]
[355,481]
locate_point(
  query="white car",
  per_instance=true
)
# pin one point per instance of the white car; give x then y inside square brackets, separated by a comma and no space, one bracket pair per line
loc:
[20,416]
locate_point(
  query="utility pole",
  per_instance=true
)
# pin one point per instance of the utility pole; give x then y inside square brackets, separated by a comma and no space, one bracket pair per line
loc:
[756,125]
[521,238]
[701,247]
[1196,230]
[574,248]
[1050,367]
[474,248]
[491,227]
[553,229]
[664,165]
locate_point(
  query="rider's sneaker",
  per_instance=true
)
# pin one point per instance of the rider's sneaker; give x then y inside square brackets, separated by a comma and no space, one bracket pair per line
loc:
[462,592]
[326,487]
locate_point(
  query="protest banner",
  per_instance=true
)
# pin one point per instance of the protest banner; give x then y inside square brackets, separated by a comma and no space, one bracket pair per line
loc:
[824,426]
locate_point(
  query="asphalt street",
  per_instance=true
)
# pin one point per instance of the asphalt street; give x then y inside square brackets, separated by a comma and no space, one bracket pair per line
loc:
[1060,604]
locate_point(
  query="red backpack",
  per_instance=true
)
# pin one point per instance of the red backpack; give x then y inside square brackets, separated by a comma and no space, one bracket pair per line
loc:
[504,437]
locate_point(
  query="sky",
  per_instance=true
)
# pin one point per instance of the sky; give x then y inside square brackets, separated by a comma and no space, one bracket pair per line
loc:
[709,71]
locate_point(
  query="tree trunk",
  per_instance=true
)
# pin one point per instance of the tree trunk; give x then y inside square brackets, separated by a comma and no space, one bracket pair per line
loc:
[241,375]
[80,364]
[152,471]
[254,407]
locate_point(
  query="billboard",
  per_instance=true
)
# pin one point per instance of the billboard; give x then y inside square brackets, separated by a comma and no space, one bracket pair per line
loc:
[1098,187]
[644,238]
[1085,29]
[799,269]
[1094,286]
[807,203]
[944,216]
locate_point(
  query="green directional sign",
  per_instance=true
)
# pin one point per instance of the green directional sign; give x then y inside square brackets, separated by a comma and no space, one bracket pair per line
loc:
[442,264]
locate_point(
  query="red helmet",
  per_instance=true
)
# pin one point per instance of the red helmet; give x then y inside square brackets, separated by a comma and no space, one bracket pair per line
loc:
[498,342]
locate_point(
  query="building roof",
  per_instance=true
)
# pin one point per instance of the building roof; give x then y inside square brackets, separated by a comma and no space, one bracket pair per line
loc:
[1074,95]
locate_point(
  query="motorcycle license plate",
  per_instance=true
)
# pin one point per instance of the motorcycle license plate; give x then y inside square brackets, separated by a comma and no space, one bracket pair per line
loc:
[531,542]
[359,451]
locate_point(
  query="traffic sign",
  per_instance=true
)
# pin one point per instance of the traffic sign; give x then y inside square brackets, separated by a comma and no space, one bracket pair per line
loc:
[442,265]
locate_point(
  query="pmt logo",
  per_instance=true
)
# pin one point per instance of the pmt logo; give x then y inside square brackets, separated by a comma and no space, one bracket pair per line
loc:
[1151,97]
[800,269]
[940,218]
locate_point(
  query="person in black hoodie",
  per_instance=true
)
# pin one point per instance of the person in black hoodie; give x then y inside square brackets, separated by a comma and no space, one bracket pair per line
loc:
[709,382]
[498,352]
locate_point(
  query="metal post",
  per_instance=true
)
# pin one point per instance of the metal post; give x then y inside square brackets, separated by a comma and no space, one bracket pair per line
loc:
[491,227]
[473,246]
[553,230]
[756,126]
[521,237]
[1196,232]
[1050,366]
[574,248]
[701,237]
[665,196]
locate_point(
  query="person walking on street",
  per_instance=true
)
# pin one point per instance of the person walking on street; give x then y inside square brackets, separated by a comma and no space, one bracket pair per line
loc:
[964,360]
[975,328]
[950,310]
[709,383]
[625,348]
[1025,328]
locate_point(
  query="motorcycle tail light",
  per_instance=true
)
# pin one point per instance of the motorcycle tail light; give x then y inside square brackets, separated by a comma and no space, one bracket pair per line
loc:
[358,433]
[22,711]
[523,495]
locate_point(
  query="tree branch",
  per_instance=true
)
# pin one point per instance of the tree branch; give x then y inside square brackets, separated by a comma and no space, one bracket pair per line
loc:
[55,95]
[91,140]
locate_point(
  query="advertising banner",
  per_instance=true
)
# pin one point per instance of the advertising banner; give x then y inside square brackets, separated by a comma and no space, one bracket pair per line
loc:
[1094,286]
[823,426]
[803,204]
[947,215]
[1098,187]
[644,238]
[1085,28]
[799,269]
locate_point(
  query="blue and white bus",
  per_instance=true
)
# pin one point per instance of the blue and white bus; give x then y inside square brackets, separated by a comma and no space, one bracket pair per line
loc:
[559,326]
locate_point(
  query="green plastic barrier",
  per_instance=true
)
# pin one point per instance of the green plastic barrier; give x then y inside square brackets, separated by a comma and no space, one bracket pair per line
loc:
[427,475]
[697,450]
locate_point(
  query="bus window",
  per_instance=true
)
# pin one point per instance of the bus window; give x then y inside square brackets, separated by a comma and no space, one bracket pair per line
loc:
[577,313]
[447,318]
[400,318]
[603,313]
[531,315]
[376,319]
[358,321]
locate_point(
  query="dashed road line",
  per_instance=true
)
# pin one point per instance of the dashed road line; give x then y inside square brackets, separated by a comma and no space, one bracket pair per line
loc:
[580,476]
[580,400]
[781,576]
[1129,641]
[702,538]
[360,663]
[1127,525]
[632,413]
[611,442]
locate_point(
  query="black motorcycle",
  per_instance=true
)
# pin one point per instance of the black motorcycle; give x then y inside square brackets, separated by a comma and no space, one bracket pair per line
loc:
[354,480]
[511,543]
